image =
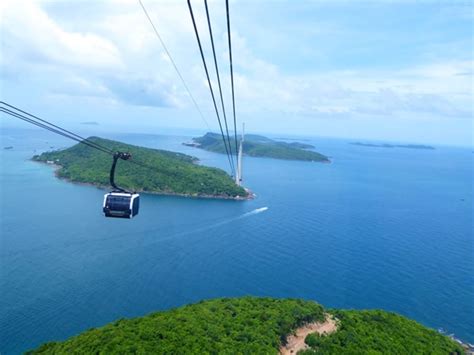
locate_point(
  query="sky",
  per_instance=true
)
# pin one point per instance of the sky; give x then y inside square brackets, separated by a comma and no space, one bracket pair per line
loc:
[397,71]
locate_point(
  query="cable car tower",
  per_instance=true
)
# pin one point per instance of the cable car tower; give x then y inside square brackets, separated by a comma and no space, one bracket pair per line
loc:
[238,176]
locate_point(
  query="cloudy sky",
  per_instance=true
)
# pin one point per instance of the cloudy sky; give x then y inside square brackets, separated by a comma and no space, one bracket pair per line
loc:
[384,70]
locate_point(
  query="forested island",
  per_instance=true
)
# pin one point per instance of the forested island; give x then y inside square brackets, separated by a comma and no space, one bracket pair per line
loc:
[252,325]
[387,145]
[165,172]
[260,146]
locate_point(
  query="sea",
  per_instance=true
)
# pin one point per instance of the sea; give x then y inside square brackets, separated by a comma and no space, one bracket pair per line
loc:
[377,228]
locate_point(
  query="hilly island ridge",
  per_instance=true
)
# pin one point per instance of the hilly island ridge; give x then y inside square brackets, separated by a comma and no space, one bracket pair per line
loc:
[159,171]
[260,146]
[251,325]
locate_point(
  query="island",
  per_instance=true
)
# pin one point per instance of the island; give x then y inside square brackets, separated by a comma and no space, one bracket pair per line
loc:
[260,146]
[252,325]
[90,123]
[8,148]
[164,172]
[387,145]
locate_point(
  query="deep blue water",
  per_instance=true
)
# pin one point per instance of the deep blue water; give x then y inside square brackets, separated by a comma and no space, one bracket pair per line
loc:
[376,228]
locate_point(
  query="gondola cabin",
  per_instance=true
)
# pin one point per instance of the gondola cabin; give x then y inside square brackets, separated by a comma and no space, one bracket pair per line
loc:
[121,204]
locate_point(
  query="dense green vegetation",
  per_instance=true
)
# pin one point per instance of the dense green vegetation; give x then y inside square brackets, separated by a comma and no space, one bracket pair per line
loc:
[226,326]
[379,332]
[251,325]
[172,173]
[260,146]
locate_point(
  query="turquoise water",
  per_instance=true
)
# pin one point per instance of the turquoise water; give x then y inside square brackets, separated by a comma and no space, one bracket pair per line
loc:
[377,228]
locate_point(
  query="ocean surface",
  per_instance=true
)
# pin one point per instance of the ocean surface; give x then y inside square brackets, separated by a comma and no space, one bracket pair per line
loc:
[376,228]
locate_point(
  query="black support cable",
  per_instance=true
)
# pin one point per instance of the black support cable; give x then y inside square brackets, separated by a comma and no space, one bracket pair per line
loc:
[78,137]
[61,131]
[57,131]
[218,76]
[231,74]
[210,85]
[41,125]
[174,64]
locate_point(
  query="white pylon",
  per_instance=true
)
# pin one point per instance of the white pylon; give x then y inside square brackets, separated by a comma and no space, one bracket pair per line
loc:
[238,177]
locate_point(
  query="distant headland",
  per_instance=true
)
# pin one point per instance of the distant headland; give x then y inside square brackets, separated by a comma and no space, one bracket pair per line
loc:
[173,173]
[387,145]
[260,146]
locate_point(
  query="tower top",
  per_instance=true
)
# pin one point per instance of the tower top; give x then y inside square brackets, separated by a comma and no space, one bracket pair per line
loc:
[238,177]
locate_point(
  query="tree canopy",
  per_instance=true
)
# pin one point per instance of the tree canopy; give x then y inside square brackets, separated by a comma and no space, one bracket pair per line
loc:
[251,325]
[170,172]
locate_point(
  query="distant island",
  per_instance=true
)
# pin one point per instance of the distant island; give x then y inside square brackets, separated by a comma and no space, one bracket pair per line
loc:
[386,145]
[90,123]
[173,173]
[252,325]
[260,146]
[8,148]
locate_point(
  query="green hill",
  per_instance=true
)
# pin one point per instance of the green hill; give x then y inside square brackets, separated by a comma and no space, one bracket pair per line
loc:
[260,146]
[380,332]
[172,173]
[251,325]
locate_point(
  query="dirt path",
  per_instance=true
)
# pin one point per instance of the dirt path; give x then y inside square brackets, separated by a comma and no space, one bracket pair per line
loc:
[295,343]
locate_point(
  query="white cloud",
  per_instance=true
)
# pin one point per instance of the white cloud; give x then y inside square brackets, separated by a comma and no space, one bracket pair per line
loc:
[115,56]
[28,30]
[435,88]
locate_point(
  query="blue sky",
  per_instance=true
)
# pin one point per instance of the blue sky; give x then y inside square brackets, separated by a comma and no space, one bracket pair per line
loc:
[383,70]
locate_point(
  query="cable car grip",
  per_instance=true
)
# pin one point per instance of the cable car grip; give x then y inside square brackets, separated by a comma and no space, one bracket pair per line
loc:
[116,157]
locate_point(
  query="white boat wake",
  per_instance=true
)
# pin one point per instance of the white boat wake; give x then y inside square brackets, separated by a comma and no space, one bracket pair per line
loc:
[233,219]
[218,224]
[255,211]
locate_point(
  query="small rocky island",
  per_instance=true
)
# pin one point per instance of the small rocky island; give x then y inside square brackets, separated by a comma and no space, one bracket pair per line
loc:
[165,172]
[260,146]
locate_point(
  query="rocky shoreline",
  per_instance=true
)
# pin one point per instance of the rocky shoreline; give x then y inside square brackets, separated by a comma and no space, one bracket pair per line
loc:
[468,347]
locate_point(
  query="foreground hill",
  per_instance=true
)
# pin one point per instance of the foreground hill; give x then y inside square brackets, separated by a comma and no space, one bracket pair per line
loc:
[260,146]
[172,173]
[252,325]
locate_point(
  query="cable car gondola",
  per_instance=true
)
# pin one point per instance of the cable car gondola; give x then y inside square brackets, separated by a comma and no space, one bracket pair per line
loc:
[120,203]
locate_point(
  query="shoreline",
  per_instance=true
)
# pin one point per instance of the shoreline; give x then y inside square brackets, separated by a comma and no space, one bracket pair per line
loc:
[467,346]
[56,168]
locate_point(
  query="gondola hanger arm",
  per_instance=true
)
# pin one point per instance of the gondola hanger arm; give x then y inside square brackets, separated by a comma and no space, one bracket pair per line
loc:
[116,157]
